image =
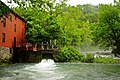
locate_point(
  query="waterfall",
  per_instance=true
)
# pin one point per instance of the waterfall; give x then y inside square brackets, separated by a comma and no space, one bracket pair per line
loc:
[47,61]
[43,66]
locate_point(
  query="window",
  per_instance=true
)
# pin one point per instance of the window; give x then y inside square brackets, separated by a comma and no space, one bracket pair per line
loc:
[22,41]
[10,17]
[23,23]
[14,44]
[3,37]
[22,31]
[15,28]
[4,22]
[15,17]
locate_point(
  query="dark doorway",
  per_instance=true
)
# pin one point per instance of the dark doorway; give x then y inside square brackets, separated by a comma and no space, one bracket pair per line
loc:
[14,45]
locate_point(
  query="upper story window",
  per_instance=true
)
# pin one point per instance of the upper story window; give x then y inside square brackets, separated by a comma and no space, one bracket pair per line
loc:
[3,37]
[10,17]
[22,31]
[22,23]
[15,17]
[15,28]
[4,22]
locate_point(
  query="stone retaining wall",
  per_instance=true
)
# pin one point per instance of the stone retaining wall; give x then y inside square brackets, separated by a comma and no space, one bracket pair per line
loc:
[21,55]
[5,54]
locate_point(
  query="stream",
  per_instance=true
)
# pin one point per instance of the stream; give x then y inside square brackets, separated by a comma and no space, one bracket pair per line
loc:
[47,69]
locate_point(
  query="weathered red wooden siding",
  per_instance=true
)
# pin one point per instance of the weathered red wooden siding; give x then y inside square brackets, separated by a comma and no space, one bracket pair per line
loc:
[9,31]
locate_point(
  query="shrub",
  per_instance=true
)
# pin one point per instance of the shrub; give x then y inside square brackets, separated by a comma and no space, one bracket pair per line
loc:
[89,58]
[69,54]
[105,60]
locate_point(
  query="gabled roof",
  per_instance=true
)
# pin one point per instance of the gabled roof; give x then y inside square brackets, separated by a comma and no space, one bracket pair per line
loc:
[17,15]
[14,12]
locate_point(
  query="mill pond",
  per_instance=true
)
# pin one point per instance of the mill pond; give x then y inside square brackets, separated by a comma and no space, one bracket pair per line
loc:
[47,69]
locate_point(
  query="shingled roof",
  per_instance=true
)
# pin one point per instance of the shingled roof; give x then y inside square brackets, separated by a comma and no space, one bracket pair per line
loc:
[13,12]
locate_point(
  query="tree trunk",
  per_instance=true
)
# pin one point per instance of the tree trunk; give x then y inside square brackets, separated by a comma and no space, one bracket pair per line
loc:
[116,51]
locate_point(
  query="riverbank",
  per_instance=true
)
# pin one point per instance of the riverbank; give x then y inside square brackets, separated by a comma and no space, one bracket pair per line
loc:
[4,64]
[96,60]
[85,58]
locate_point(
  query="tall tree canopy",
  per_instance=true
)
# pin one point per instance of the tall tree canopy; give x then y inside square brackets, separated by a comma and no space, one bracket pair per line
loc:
[108,29]
[55,21]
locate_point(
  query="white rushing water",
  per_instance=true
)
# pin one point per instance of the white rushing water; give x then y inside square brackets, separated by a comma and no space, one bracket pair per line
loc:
[44,65]
[47,69]
[47,62]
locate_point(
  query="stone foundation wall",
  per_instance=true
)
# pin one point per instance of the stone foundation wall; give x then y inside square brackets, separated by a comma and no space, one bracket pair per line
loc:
[21,56]
[5,54]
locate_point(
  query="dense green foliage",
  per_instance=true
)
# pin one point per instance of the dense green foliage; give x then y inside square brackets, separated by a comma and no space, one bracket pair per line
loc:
[107,33]
[60,22]
[89,58]
[71,26]
[55,21]
[69,54]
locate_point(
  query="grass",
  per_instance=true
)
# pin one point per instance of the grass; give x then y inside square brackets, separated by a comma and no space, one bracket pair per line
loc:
[3,64]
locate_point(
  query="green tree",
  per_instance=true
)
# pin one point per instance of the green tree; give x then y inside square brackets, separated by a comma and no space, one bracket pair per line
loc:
[74,31]
[89,12]
[56,22]
[108,29]
[41,19]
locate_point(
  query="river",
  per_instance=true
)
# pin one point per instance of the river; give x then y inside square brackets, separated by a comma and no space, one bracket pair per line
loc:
[48,70]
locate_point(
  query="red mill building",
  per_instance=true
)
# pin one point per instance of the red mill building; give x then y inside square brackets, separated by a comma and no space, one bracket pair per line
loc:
[12,32]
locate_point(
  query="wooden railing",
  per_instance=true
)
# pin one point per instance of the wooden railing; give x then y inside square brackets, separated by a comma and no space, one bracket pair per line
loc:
[42,47]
